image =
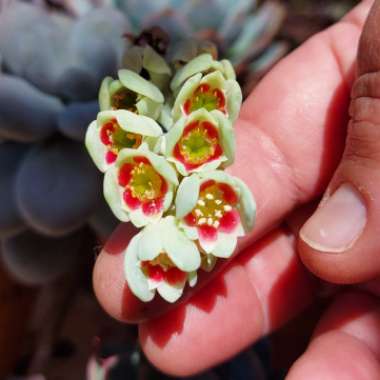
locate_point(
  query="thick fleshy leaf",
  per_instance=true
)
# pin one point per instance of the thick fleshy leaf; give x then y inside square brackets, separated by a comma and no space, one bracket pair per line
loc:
[187,195]
[75,118]
[96,40]
[182,251]
[37,260]
[78,84]
[140,85]
[11,155]
[26,114]
[136,279]
[57,187]
[34,44]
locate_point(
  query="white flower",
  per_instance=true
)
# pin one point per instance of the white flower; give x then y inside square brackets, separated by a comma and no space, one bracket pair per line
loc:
[161,258]
[140,186]
[202,141]
[113,131]
[203,63]
[131,92]
[215,209]
[212,92]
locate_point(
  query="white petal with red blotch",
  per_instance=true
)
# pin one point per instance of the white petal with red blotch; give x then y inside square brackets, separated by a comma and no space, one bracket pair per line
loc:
[136,279]
[170,292]
[96,149]
[113,194]
[131,122]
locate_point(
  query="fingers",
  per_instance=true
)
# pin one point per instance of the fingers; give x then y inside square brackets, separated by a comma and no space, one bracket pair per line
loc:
[340,243]
[260,290]
[346,344]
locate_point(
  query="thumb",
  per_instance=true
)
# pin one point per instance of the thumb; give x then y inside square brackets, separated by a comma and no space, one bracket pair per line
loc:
[341,241]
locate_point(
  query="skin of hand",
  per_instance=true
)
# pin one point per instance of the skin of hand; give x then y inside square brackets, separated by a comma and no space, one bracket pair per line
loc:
[292,137]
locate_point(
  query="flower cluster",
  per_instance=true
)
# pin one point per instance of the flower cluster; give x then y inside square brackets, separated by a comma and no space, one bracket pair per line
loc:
[163,138]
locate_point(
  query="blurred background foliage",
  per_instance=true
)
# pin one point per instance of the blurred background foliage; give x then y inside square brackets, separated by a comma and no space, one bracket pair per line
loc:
[53,220]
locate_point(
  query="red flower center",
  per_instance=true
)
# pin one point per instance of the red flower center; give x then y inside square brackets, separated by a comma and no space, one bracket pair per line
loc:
[198,144]
[163,269]
[144,186]
[116,138]
[215,210]
[206,97]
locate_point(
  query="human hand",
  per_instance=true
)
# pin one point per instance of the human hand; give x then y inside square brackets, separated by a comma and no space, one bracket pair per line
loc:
[290,138]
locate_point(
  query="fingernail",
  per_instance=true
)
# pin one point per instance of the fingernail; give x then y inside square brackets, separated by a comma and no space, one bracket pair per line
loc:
[337,223]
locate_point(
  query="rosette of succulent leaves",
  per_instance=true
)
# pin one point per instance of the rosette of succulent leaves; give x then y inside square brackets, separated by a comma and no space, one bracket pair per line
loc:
[54,55]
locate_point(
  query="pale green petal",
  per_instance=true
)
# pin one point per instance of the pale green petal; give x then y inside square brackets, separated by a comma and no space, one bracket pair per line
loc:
[186,91]
[199,64]
[214,79]
[161,81]
[168,199]
[112,194]
[225,246]
[165,118]
[149,245]
[163,167]
[234,99]
[95,147]
[154,62]
[248,205]
[170,293]
[228,69]
[133,58]
[139,124]
[179,166]
[191,232]
[140,85]
[192,277]
[227,136]
[115,85]
[137,282]
[187,195]
[172,137]
[181,250]
[104,94]
[149,107]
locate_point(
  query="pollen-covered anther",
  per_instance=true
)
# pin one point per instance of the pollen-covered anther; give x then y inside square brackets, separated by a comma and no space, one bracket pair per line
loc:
[214,206]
